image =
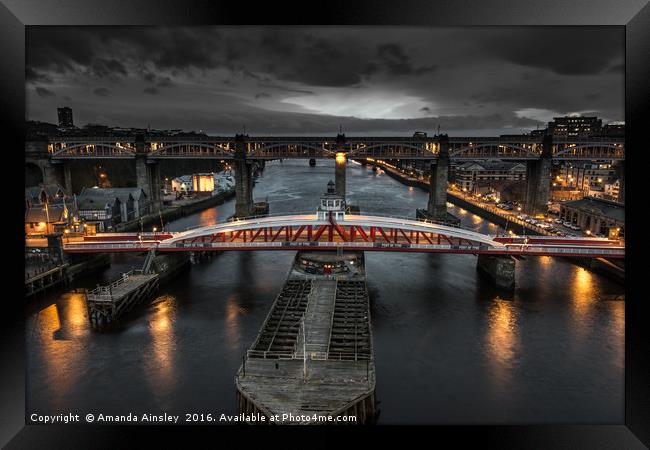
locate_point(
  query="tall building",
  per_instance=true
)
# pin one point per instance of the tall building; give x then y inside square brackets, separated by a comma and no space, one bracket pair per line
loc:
[571,127]
[471,175]
[585,176]
[65,117]
[614,130]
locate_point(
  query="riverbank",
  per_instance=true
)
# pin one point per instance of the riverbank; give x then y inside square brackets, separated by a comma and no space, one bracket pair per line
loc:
[171,213]
[600,265]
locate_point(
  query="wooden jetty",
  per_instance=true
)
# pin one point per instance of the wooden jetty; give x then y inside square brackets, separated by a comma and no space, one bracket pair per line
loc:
[46,279]
[313,359]
[107,303]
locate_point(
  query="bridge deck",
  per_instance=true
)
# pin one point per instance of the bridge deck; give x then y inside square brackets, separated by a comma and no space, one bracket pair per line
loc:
[356,232]
[116,292]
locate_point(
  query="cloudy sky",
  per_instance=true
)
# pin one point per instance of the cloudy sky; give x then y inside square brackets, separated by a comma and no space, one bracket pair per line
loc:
[290,80]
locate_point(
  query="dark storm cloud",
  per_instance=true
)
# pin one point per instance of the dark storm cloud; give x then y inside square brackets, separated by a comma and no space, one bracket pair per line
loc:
[100,50]
[309,79]
[108,68]
[43,92]
[285,89]
[59,48]
[562,50]
[165,82]
[393,59]
[32,76]
[310,60]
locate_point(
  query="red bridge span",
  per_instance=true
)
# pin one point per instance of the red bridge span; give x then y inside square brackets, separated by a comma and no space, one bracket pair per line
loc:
[306,232]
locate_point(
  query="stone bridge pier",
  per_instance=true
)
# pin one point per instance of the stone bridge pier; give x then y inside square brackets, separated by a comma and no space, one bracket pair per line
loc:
[37,157]
[340,167]
[538,179]
[437,204]
[499,269]
[243,179]
[147,174]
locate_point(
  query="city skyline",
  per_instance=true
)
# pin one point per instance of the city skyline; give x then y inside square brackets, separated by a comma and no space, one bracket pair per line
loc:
[311,80]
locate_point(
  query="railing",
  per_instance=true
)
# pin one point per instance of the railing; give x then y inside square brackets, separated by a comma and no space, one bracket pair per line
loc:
[568,250]
[522,248]
[312,356]
[269,354]
[144,245]
[343,222]
[31,276]
[105,293]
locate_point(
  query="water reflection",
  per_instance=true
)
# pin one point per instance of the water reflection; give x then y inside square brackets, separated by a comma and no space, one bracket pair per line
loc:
[159,364]
[232,328]
[208,217]
[501,340]
[60,354]
[583,301]
[75,317]
[186,346]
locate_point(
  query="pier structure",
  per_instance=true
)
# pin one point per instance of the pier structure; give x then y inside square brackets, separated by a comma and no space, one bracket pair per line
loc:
[538,179]
[46,279]
[341,165]
[243,179]
[437,204]
[500,270]
[313,358]
[106,304]
[147,172]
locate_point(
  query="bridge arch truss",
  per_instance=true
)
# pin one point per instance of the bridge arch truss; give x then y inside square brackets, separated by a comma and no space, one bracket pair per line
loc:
[91,150]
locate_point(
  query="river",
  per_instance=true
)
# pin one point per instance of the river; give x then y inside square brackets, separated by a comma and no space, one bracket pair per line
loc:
[449,348]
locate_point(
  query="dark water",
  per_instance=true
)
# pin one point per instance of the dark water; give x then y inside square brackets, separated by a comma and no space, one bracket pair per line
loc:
[449,348]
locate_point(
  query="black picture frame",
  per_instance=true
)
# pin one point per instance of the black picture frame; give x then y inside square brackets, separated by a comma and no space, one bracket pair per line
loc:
[634,15]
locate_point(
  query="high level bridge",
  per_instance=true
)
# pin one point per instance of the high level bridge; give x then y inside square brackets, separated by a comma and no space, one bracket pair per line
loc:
[538,154]
[520,148]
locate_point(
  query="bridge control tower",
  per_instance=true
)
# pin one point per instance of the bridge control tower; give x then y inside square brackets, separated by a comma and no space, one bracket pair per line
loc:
[332,204]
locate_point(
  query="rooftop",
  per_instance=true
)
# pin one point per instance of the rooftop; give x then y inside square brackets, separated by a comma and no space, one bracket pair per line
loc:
[38,214]
[607,208]
[491,165]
